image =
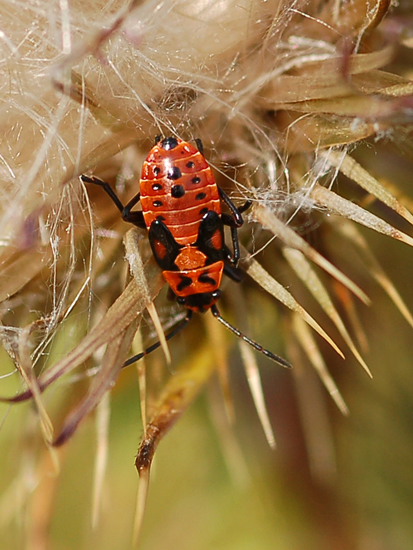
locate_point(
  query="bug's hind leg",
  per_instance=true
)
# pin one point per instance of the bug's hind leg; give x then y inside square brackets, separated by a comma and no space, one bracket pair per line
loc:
[156,345]
[276,358]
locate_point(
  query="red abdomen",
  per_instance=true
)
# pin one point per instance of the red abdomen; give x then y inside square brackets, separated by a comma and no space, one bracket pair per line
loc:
[178,187]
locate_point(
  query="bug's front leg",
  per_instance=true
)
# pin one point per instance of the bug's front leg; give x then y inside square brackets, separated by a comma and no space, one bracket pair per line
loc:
[135,218]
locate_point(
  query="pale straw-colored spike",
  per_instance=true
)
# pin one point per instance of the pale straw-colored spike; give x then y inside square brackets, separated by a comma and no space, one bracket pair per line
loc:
[314,355]
[141,371]
[255,385]
[101,457]
[352,169]
[289,237]
[342,207]
[159,331]
[373,266]
[306,273]
[25,367]
[141,500]
[273,287]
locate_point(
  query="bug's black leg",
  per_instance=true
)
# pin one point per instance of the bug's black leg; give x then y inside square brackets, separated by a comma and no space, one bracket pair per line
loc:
[136,218]
[237,220]
[234,222]
[233,272]
[244,206]
[106,187]
[156,345]
[229,220]
[252,343]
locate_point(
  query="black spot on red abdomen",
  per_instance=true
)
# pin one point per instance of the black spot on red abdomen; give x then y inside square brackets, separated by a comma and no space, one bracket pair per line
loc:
[181,180]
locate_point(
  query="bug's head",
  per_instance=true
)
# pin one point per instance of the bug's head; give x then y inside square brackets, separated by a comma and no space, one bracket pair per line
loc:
[201,302]
[167,143]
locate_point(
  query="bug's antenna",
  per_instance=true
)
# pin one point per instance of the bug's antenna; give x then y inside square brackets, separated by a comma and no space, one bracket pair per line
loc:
[156,345]
[252,343]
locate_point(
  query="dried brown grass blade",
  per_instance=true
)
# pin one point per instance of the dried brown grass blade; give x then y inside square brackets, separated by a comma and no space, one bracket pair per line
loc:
[111,365]
[159,331]
[137,268]
[288,236]
[119,341]
[342,207]
[315,419]
[141,498]
[128,307]
[306,273]
[314,355]
[358,63]
[273,287]
[122,313]
[25,367]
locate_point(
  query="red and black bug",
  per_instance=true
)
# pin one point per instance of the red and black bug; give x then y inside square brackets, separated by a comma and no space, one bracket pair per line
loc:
[181,209]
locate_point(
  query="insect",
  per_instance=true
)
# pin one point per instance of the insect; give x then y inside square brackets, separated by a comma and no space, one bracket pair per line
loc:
[181,209]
